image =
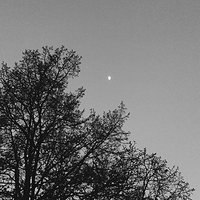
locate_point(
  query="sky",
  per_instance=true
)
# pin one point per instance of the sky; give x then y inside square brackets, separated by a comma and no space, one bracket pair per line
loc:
[151,50]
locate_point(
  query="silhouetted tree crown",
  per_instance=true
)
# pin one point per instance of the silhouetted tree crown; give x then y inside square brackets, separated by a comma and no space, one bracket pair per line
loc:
[49,151]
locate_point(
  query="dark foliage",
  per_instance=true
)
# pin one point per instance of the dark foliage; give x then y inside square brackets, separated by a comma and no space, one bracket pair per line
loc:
[49,151]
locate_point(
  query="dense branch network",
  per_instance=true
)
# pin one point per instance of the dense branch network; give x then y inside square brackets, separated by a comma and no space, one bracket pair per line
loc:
[48,150]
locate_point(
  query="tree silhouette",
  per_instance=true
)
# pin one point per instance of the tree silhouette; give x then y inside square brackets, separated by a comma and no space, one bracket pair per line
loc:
[154,180]
[48,150]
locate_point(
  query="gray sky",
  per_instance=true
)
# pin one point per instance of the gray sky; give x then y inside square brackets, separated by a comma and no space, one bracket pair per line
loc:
[151,48]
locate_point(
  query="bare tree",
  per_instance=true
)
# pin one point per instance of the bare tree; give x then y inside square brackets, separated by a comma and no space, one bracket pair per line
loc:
[49,151]
[156,181]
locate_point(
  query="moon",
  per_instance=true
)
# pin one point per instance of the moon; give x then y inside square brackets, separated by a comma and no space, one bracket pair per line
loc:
[109,78]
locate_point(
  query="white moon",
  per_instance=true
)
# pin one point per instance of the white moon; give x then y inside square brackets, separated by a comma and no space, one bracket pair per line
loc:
[109,78]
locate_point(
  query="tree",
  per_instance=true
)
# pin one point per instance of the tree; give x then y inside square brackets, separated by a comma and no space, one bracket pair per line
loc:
[153,179]
[49,150]
[135,174]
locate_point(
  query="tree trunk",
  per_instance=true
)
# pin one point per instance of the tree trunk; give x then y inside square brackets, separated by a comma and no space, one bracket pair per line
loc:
[17,188]
[26,193]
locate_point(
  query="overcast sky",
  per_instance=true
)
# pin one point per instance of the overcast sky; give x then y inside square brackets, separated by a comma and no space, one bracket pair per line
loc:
[150,48]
